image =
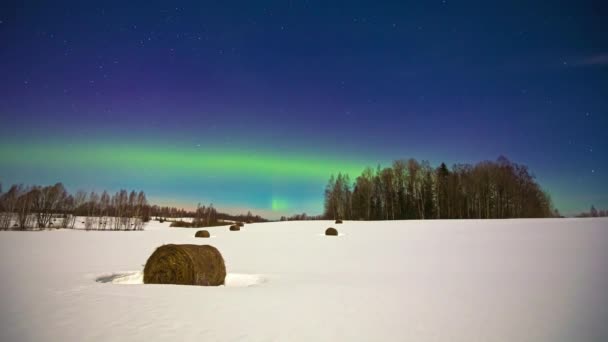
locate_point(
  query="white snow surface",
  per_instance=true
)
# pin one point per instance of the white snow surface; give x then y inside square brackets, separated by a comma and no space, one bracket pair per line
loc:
[477,280]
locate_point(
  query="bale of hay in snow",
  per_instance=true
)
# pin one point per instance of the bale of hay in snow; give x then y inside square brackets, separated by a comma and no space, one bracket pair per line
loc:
[235,228]
[185,265]
[202,234]
[331,231]
[338,221]
[240,224]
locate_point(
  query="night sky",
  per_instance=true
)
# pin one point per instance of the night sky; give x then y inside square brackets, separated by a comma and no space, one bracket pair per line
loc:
[253,104]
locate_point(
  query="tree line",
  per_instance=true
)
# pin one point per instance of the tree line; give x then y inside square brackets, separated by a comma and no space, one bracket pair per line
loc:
[42,207]
[594,213]
[415,190]
[203,216]
[302,217]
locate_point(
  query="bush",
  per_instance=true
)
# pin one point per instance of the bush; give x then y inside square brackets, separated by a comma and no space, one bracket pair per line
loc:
[331,231]
[240,224]
[185,265]
[181,224]
[202,234]
[338,221]
[235,228]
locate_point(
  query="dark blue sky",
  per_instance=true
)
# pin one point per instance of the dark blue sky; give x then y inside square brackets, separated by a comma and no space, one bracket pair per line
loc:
[453,81]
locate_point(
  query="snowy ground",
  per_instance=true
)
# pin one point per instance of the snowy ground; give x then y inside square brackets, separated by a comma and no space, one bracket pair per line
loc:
[512,280]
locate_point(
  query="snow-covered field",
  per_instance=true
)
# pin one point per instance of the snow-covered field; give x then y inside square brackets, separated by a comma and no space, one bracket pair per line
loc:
[511,280]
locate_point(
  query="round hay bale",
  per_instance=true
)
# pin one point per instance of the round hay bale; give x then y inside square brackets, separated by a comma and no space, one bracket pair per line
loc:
[240,224]
[185,265]
[338,221]
[202,234]
[235,228]
[331,231]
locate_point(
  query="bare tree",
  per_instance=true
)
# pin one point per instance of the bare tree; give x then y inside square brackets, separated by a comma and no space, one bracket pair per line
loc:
[104,207]
[67,208]
[140,215]
[23,208]
[45,202]
[92,208]
[9,206]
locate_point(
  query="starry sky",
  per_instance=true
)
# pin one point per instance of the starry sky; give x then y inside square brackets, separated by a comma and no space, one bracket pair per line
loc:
[253,104]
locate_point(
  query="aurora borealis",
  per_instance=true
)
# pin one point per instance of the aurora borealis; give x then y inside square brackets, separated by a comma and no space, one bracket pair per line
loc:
[267,182]
[252,105]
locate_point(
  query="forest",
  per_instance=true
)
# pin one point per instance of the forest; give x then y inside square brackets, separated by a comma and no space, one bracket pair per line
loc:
[42,207]
[415,190]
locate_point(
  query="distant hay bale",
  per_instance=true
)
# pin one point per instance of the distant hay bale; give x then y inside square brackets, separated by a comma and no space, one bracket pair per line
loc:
[240,224]
[202,234]
[235,228]
[331,231]
[185,265]
[338,221]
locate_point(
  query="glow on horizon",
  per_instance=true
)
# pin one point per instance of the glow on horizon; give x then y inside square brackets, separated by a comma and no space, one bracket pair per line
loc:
[264,181]
[279,204]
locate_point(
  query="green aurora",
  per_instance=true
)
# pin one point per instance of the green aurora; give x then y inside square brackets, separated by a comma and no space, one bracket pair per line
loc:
[262,181]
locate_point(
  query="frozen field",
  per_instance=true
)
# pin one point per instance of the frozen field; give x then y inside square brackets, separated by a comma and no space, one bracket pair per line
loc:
[512,280]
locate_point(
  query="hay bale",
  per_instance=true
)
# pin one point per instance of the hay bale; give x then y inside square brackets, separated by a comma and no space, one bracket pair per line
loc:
[235,228]
[338,221]
[185,265]
[331,231]
[202,234]
[240,224]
